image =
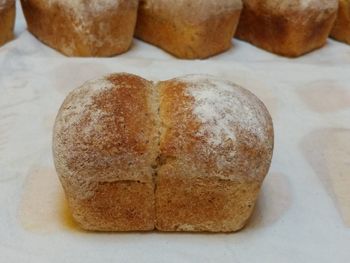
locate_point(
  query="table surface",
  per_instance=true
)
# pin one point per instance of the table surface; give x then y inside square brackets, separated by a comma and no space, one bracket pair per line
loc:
[303,213]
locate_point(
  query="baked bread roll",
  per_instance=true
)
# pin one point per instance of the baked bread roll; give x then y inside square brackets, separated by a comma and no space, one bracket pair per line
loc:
[189,29]
[188,154]
[83,28]
[7,20]
[341,29]
[287,27]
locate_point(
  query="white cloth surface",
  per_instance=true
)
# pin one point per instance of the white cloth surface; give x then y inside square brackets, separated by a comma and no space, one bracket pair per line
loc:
[303,213]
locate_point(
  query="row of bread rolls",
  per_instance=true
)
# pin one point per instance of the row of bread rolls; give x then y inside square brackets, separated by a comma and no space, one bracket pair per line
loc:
[186,29]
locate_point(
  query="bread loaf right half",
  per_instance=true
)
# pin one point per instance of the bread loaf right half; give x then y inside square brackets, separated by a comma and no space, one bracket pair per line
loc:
[215,149]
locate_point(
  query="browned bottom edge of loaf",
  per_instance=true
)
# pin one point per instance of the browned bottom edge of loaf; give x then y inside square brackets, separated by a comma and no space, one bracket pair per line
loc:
[203,204]
[341,29]
[282,35]
[62,35]
[7,22]
[116,206]
[181,204]
[188,41]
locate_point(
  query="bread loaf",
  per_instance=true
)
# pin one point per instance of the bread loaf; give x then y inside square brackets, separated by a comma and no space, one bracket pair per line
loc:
[188,154]
[341,29]
[7,20]
[287,27]
[83,28]
[188,29]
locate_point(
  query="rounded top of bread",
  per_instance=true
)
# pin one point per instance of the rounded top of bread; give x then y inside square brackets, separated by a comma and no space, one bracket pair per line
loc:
[106,131]
[282,6]
[194,10]
[215,127]
[222,107]
[123,127]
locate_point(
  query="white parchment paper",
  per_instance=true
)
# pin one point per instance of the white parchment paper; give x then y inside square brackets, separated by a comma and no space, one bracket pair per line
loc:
[303,213]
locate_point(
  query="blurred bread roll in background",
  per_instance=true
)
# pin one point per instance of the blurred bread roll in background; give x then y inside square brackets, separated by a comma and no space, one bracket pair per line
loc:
[189,29]
[7,20]
[83,28]
[341,29]
[287,27]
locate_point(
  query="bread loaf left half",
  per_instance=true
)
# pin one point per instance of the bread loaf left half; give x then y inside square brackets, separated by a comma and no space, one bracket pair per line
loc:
[105,144]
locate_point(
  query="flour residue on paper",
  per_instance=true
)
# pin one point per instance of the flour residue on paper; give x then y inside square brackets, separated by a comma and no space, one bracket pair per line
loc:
[43,208]
[337,156]
[328,153]
[325,96]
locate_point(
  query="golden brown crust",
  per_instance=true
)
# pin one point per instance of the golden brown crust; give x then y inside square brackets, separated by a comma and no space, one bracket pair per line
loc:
[7,20]
[188,154]
[105,144]
[184,38]
[341,29]
[97,33]
[290,32]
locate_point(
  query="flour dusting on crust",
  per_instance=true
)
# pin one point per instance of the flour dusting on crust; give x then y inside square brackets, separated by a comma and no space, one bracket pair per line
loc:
[294,5]
[223,108]
[83,13]
[203,9]
[80,6]
[75,112]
